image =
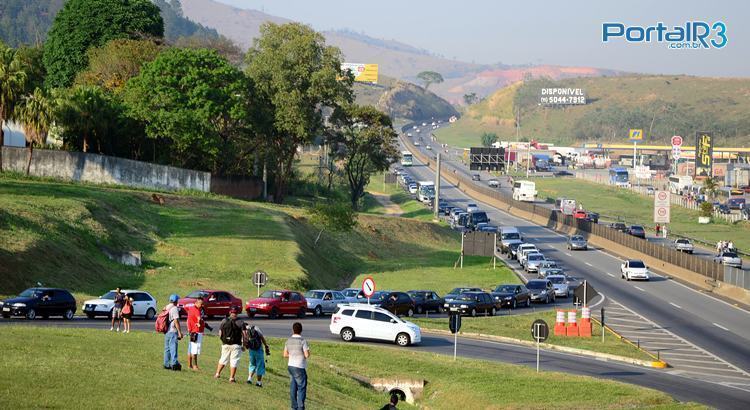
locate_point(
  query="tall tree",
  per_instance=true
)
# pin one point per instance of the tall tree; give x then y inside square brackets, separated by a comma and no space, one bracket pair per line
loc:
[83,112]
[430,77]
[82,24]
[299,76]
[488,138]
[366,144]
[113,64]
[12,85]
[35,113]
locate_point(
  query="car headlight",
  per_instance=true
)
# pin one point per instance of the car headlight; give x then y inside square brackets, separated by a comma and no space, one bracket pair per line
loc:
[544,292]
[19,305]
[1,303]
[464,306]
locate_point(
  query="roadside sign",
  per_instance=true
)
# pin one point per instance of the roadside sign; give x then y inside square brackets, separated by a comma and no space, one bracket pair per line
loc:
[368,287]
[635,134]
[642,171]
[676,152]
[539,330]
[454,322]
[260,278]
[661,207]
[676,141]
[584,291]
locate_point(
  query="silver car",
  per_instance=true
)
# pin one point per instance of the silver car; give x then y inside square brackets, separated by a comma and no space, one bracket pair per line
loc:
[729,258]
[683,245]
[323,301]
[548,265]
[533,260]
[560,283]
[577,242]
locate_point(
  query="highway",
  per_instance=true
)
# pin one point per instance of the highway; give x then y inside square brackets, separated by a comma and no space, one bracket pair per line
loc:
[681,388]
[708,325]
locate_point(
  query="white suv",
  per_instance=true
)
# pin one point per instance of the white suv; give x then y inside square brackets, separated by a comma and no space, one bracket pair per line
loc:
[362,321]
[634,269]
[143,304]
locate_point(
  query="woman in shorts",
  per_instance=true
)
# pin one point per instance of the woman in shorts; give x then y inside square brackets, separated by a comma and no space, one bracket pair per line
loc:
[127,313]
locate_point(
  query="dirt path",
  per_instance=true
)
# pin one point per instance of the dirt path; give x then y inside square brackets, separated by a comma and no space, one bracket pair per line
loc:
[391,208]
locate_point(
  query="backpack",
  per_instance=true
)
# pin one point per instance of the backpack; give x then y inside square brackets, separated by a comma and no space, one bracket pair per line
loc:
[162,322]
[253,342]
[231,334]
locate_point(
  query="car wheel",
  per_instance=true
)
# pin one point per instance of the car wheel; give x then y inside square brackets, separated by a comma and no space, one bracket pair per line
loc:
[150,313]
[347,334]
[419,309]
[274,313]
[514,303]
[473,313]
[68,314]
[318,311]
[402,339]
[31,314]
[492,312]
[302,313]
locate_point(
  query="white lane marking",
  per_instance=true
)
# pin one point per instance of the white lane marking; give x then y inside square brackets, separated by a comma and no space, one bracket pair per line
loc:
[610,274]
[641,289]
[568,254]
[720,326]
[599,302]
[588,264]
[675,305]
[710,297]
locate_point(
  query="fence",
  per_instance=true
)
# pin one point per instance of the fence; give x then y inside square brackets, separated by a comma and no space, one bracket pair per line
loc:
[705,267]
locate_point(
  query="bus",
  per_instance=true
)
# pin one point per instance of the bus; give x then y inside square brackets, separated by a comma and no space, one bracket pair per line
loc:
[524,191]
[680,184]
[425,191]
[407,159]
[619,177]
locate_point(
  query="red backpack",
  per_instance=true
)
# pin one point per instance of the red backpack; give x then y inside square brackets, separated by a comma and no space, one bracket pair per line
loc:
[162,322]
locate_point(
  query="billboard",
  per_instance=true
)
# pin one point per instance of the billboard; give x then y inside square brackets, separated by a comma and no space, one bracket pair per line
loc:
[635,134]
[365,73]
[562,96]
[492,159]
[704,149]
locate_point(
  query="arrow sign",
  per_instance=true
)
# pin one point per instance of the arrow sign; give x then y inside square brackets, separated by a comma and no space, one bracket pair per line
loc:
[368,287]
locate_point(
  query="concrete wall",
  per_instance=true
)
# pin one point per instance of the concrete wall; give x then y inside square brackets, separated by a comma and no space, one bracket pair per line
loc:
[102,169]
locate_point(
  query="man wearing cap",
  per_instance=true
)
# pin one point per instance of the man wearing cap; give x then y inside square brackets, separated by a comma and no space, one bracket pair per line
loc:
[232,333]
[173,335]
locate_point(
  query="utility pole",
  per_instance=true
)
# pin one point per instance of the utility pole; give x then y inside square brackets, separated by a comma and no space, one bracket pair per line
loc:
[528,159]
[265,182]
[518,135]
[436,201]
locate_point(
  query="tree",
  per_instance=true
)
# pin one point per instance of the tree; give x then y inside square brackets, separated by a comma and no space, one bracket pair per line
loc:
[113,64]
[711,188]
[35,113]
[430,77]
[298,75]
[367,144]
[12,85]
[333,216]
[83,24]
[83,112]
[471,98]
[222,45]
[199,104]
[488,138]
[31,60]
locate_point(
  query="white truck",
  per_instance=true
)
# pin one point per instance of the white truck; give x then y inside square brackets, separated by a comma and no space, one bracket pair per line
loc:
[524,191]
[425,191]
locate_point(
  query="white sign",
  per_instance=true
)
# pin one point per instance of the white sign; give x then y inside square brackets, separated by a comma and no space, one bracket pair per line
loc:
[260,278]
[676,153]
[642,171]
[661,207]
[368,287]
[676,141]
[562,96]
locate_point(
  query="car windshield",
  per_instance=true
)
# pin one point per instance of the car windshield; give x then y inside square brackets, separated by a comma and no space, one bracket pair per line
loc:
[30,293]
[466,297]
[459,290]
[479,217]
[197,295]
[536,257]
[558,280]
[730,255]
[636,228]
[682,241]
[505,289]
[554,271]
[511,235]
[536,284]
[313,294]
[471,205]
[270,294]
[637,264]
[108,296]
[577,238]
[350,292]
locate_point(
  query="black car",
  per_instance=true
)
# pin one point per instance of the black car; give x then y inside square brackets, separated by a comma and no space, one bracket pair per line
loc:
[398,303]
[44,302]
[473,303]
[442,205]
[512,248]
[475,177]
[458,291]
[619,226]
[541,290]
[512,296]
[477,217]
[722,209]
[592,217]
[637,231]
[426,301]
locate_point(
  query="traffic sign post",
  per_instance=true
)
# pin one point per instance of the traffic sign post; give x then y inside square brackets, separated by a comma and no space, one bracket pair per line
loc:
[661,207]
[676,150]
[540,332]
[368,288]
[260,278]
[454,324]
[602,324]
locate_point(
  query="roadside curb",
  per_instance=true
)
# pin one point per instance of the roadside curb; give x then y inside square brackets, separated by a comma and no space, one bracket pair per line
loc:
[599,356]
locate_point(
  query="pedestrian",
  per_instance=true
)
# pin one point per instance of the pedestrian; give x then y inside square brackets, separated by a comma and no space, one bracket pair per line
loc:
[117,310]
[297,351]
[173,335]
[127,313]
[232,334]
[718,246]
[392,403]
[730,246]
[658,230]
[664,231]
[196,324]
[255,344]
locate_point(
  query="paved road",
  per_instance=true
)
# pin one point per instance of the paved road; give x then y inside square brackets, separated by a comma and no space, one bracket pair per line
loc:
[681,388]
[710,324]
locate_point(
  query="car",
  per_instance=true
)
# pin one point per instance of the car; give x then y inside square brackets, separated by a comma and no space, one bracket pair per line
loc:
[541,290]
[426,301]
[722,209]
[475,218]
[351,295]
[362,321]
[579,214]
[472,303]
[619,226]
[427,147]
[215,302]
[513,249]
[454,213]
[637,231]
[592,217]
[460,221]
[416,143]
[442,205]
[577,242]
[447,210]
[40,301]
[472,207]
[745,189]
[547,265]
[414,127]
[523,248]
[512,296]
[532,262]
[550,271]
[457,291]
[729,258]
[493,183]
[683,245]
[143,304]
[560,284]
[563,173]
[412,188]
[487,228]
[323,301]
[398,303]
[476,177]
[634,269]
[525,251]
[277,303]
[650,190]
[424,124]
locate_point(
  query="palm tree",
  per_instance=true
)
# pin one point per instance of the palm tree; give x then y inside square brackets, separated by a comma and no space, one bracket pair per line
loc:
[35,113]
[83,109]
[12,83]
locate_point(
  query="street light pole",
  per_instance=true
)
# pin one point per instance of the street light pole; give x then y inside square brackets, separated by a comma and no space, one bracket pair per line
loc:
[436,201]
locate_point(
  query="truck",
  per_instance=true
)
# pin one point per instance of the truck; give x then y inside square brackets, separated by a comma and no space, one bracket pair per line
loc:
[524,191]
[565,205]
[425,191]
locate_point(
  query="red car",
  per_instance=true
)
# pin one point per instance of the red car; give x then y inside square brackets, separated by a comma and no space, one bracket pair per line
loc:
[580,214]
[277,303]
[215,302]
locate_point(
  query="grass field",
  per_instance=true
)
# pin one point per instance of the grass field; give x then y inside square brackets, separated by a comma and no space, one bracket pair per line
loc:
[638,209]
[519,327]
[84,368]
[410,207]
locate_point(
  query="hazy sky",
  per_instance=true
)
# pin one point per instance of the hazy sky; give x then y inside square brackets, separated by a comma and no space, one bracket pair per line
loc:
[533,31]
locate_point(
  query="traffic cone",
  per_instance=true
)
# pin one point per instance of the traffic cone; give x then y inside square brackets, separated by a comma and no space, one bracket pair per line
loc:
[572,329]
[560,323]
[584,329]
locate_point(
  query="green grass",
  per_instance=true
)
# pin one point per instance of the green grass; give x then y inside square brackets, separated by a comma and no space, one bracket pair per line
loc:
[519,327]
[85,368]
[410,207]
[638,209]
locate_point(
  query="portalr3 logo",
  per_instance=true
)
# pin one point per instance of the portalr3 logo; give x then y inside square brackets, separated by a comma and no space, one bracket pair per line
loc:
[691,35]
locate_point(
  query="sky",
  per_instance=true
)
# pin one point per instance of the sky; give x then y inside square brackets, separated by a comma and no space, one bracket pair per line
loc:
[537,32]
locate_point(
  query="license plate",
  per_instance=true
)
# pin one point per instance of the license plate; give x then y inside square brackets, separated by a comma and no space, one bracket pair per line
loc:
[253,309]
[88,308]
[5,309]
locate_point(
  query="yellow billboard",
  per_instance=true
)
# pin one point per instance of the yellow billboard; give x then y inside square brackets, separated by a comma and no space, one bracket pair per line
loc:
[365,73]
[635,134]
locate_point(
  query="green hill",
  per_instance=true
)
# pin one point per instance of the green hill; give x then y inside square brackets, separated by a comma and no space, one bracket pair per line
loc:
[662,106]
[403,100]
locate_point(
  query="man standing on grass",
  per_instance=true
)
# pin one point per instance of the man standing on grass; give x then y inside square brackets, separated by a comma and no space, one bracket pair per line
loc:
[232,333]
[297,351]
[117,310]
[173,335]
[196,326]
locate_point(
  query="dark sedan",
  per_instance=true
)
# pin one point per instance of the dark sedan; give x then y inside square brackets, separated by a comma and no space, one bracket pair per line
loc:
[637,231]
[619,226]
[398,303]
[541,290]
[473,303]
[458,291]
[427,301]
[44,302]
[511,296]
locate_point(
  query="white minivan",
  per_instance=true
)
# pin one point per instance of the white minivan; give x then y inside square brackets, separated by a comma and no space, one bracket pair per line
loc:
[363,321]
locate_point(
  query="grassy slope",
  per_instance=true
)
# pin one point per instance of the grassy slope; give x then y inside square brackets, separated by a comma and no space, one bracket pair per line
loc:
[410,207]
[635,208]
[69,371]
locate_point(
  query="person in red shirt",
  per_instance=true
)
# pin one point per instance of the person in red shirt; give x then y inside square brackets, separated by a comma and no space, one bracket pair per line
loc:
[196,324]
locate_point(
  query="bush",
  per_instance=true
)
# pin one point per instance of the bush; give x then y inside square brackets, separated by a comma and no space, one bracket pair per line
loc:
[706,209]
[333,216]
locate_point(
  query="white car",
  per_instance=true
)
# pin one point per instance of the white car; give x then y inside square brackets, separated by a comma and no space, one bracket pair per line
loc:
[412,188]
[471,207]
[729,258]
[525,247]
[634,269]
[683,245]
[322,301]
[416,143]
[427,147]
[524,251]
[143,304]
[362,321]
